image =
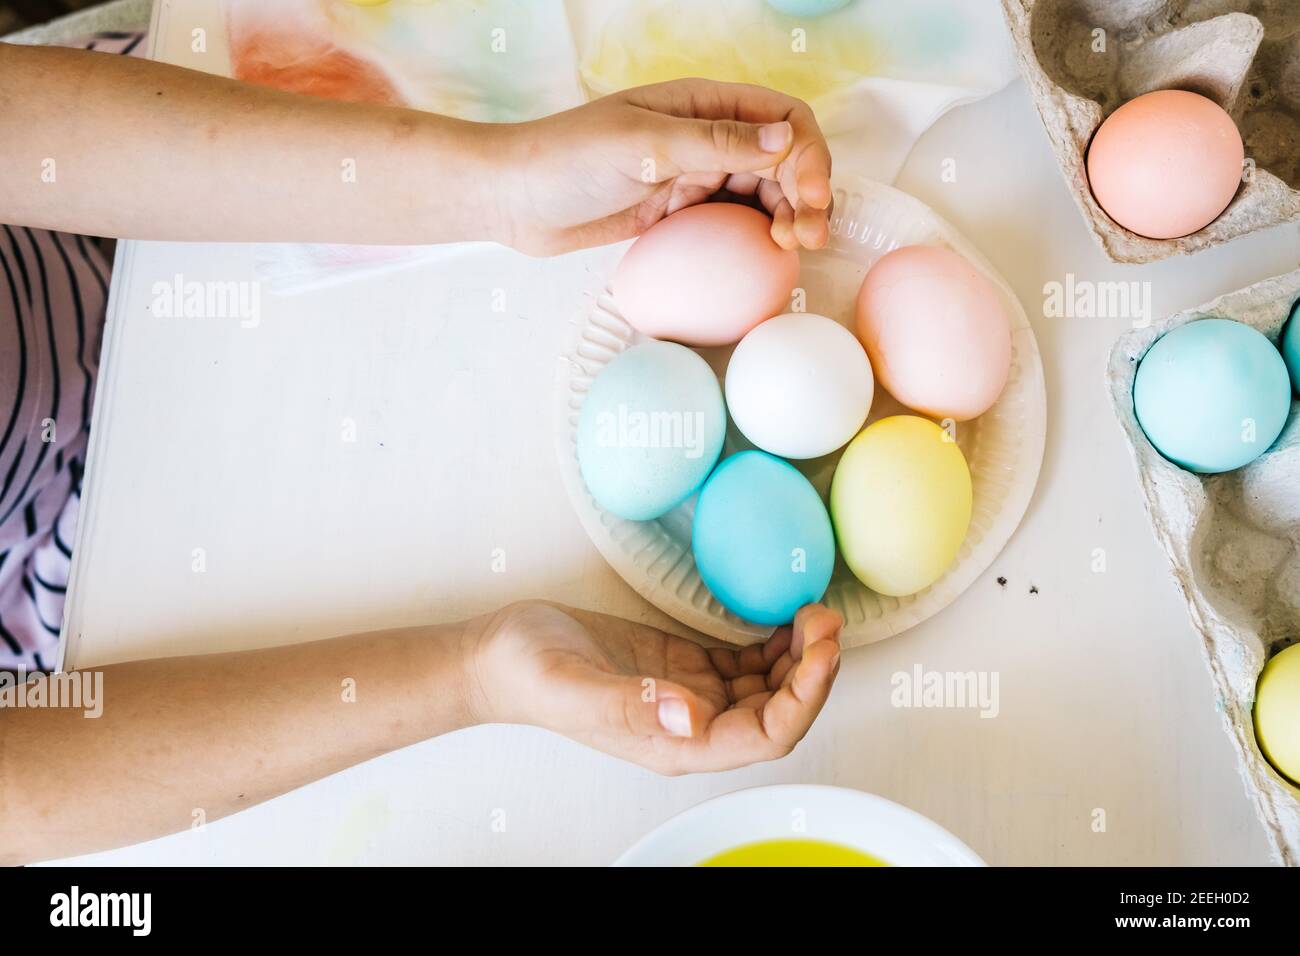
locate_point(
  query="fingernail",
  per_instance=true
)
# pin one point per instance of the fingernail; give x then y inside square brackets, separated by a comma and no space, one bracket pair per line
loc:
[675,717]
[835,660]
[774,137]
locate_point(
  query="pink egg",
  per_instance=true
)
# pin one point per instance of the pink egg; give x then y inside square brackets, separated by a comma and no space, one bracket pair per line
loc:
[935,330]
[1166,164]
[705,275]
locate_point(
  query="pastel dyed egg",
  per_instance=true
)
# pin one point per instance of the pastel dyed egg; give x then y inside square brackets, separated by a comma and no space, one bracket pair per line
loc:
[1277,712]
[1291,347]
[799,385]
[1165,164]
[1212,395]
[705,275]
[901,504]
[650,430]
[761,538]
[936,331]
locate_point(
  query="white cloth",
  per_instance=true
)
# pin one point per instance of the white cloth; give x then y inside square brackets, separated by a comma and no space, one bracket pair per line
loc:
[877,73]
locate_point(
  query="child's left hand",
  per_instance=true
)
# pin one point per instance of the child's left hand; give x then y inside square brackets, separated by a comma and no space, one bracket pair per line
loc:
[657,700]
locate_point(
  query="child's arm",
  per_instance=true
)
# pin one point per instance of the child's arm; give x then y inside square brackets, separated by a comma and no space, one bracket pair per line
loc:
[144,150]
[116,146]
[190,739]
[186,740]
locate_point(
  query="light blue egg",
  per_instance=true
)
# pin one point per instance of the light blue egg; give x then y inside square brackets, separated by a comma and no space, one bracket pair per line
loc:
[807,8]
[762,539]
[1291,347]
[650,430]
[1212,395]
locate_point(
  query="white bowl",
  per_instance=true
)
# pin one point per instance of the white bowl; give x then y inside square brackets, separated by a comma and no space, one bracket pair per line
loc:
[1004,446]
[861,821]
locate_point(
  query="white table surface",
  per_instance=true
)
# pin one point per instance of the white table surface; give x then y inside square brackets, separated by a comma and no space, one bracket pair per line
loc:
[228,439]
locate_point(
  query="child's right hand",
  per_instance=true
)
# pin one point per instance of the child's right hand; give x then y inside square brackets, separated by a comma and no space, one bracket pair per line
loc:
[650,697]
[610,169]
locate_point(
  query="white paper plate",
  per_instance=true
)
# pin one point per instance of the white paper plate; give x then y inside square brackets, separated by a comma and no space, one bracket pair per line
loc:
[861,821]
[1004,446]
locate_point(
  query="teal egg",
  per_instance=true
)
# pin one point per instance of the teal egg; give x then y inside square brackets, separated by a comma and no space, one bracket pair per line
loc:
[762,539]
[807,8]
[1291,347]
[650,430]
[1212,395]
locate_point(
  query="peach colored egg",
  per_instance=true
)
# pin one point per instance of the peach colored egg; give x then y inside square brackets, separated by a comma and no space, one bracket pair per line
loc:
[1166,164]
[935,330]
[705,275]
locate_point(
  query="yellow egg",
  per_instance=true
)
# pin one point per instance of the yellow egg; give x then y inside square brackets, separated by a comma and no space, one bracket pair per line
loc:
[901,504]
[1277,712]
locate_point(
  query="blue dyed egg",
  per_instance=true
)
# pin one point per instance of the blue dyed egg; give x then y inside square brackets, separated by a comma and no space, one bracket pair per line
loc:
[762,539]
[1212,395]
[1291,347]
[807,8]
[650,430]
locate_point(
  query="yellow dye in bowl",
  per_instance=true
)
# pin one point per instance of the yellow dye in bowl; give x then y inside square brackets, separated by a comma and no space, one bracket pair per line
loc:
[792,853]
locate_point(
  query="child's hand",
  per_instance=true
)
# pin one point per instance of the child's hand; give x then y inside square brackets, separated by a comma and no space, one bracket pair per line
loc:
[649,697]
[612,168]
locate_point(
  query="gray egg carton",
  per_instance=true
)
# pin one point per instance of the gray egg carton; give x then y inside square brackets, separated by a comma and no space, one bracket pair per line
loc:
[1243,54]
[1233,544]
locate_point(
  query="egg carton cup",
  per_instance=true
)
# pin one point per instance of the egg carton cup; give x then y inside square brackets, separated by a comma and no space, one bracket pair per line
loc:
[1004,446]
[1243,54]
[1233,544]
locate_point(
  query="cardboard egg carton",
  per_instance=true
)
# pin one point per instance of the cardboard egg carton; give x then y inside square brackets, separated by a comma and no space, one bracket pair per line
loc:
[1082,59]
[1233,544]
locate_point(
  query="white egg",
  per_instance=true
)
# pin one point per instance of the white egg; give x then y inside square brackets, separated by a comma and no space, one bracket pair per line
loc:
[799,385]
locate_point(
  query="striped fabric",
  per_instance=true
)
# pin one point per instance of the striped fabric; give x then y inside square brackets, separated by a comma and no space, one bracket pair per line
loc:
[53,292]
